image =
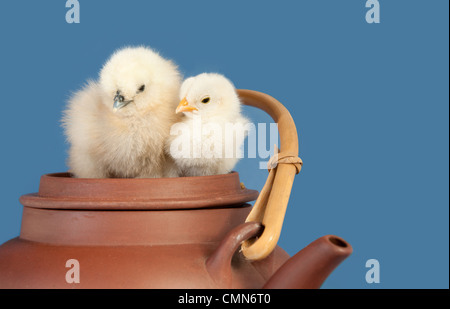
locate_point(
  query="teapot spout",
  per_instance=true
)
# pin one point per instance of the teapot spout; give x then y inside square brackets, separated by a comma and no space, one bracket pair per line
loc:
[309,268]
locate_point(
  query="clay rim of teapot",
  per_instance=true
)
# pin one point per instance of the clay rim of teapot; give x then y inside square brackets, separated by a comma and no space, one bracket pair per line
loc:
[62,191]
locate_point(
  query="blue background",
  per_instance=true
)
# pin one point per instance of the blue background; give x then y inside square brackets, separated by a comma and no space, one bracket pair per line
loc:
[370,102]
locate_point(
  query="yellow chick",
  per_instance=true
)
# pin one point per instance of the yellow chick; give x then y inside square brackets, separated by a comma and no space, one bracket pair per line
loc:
[208,139]
[117,126]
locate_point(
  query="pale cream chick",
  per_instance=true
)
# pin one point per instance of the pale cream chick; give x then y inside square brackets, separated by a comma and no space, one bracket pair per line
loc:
[117,126]
[208,140]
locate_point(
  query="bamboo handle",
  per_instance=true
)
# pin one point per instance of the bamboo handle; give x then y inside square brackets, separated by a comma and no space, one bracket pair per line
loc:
[270,207]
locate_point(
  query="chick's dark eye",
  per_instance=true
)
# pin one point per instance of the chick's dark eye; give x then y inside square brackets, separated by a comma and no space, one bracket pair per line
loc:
[142,88]
[206,100]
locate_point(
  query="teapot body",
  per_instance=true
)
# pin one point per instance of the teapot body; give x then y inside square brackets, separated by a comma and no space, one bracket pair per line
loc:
[118,249]
[90,246]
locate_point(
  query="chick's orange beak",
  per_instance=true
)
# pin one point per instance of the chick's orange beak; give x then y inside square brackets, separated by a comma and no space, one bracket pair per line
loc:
[185,107]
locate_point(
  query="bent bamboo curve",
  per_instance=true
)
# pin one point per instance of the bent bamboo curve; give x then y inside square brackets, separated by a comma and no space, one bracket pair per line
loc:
[270,207]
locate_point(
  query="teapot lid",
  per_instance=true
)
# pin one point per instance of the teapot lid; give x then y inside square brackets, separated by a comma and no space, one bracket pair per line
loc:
[62,191]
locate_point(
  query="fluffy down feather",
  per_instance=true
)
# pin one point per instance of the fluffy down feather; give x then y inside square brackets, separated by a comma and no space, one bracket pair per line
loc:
[118,125]
[208,139]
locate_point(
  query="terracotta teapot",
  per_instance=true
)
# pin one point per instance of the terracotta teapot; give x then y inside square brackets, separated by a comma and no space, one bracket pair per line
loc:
[166,233]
